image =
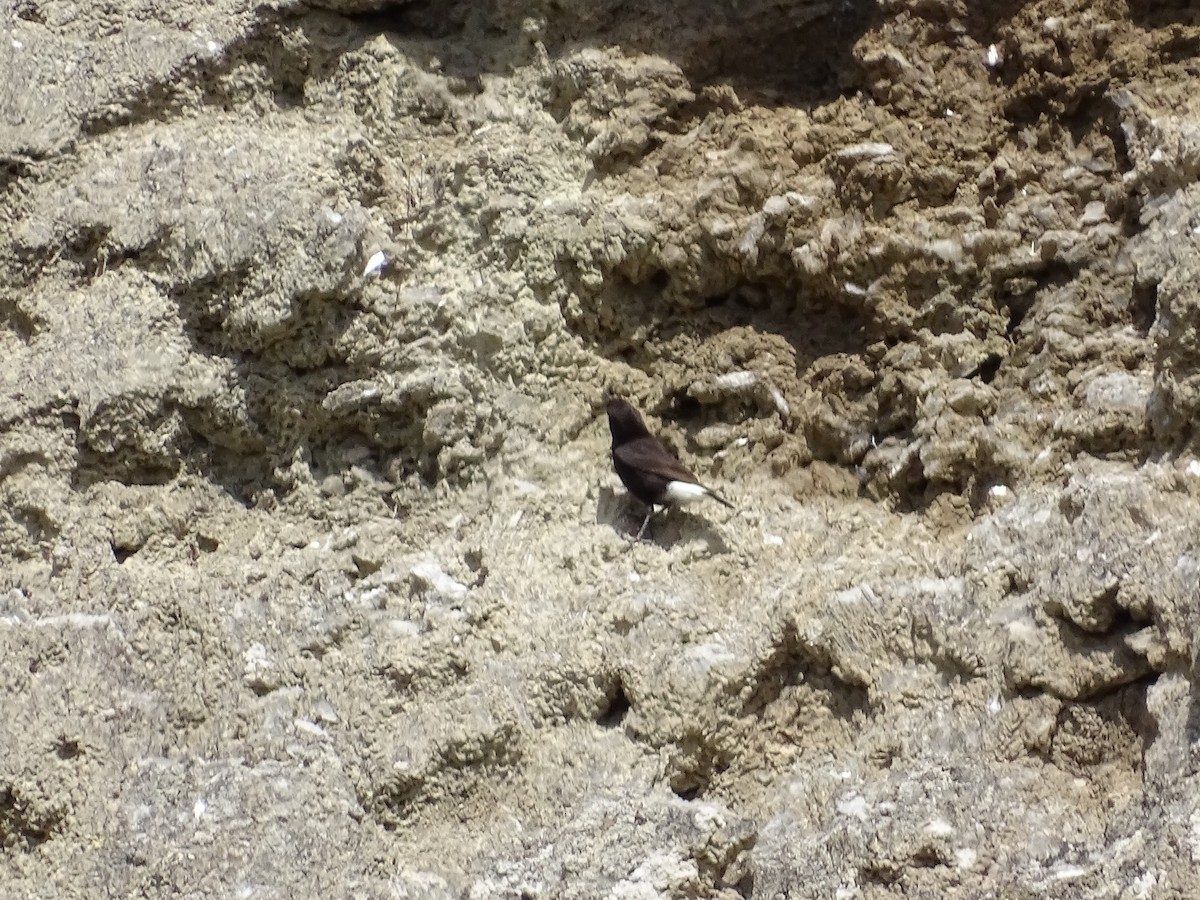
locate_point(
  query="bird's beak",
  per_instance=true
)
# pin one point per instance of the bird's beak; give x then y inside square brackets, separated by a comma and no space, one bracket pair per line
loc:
[599,405]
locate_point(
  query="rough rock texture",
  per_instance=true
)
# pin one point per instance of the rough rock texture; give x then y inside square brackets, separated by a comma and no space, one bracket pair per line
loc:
[315,579]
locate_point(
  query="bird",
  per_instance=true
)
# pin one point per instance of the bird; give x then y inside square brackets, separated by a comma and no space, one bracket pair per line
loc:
[649,470]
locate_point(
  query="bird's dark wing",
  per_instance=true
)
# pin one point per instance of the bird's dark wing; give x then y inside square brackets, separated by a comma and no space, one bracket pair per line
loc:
[648,455]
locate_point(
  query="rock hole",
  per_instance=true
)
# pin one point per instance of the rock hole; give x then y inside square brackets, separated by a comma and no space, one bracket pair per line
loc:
[1143,306]
[29,12]
[686,792]
[67,748]
[474,560]
[986,370]
[927,857]
[684,407]
[24,822]
[1016,315]
[614,712]
[880,872]
[365,565]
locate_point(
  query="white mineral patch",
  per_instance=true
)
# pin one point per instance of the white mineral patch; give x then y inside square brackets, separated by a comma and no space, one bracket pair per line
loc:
[853,805]
[755,228]
[734,381]
[1093,213]
[404,627]
[711,654]
[70,620]
[257,659]
[431,575]
[781,404]
[946,249]
[304,726]
[1117,391]
[1067,872]
[1144,884]
[865,151]
[375,264]
[939,828]
[858,594]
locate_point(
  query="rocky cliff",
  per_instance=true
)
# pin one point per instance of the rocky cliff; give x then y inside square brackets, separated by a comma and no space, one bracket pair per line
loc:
[315,578]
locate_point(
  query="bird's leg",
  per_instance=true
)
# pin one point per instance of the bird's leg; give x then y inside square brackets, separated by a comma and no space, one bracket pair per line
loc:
[645,524]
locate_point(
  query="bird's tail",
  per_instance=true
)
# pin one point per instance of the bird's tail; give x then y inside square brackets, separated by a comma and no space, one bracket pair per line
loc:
[718,497]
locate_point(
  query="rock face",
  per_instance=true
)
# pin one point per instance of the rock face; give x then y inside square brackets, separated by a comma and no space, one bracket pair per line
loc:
[314,573]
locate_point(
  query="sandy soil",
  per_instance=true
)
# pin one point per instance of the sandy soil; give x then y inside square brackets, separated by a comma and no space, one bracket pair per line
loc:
[315,578]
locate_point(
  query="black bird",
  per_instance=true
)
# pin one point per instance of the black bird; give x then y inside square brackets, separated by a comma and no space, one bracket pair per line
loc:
[648,469]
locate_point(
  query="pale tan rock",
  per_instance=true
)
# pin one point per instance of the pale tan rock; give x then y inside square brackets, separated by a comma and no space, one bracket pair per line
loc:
[314,574]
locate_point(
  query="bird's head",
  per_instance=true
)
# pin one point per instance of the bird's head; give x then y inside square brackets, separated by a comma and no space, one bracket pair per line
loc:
[623,420]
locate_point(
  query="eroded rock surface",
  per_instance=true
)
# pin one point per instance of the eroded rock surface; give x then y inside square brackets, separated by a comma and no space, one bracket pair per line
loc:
[315,575]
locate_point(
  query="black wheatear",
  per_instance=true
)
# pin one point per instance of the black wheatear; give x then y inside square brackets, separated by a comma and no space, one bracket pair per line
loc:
[648,469]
